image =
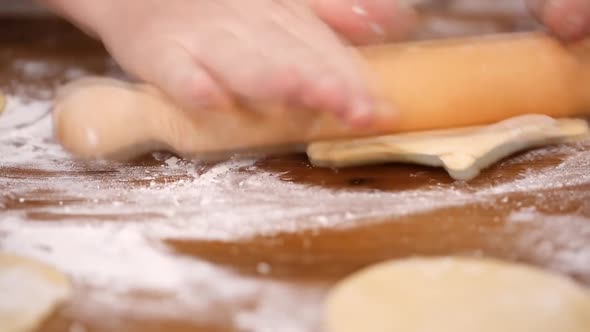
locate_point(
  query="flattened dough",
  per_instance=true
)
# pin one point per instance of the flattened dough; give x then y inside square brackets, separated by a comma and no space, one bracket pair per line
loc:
[456,295]
[463,152]
[29,293]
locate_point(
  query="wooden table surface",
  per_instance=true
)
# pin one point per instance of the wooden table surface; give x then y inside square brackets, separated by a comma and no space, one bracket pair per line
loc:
[251,245]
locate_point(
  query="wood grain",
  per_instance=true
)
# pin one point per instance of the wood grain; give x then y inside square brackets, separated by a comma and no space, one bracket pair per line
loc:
[158,244]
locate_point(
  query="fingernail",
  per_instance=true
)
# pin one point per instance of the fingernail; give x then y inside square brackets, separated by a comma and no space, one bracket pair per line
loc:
[375,27]
[386,20]
[359,10]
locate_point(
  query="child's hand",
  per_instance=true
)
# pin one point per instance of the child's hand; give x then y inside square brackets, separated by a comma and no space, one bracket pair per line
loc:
[569,19]
[204,52]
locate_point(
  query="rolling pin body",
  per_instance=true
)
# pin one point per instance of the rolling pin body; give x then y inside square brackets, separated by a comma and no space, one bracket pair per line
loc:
[433,85]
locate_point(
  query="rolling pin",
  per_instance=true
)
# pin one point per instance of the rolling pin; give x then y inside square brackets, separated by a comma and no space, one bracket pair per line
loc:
[433,85]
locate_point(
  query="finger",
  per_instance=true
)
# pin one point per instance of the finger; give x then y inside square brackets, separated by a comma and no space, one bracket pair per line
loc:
[332,77]
[293,72]
[568,19]
[368,21]
[185,80]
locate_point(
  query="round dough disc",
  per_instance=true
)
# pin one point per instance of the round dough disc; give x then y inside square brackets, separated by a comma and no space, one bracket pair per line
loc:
[456,295]
[29,293]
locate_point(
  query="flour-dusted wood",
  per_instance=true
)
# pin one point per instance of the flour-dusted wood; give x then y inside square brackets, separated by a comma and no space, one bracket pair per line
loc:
[224,224]
[432,85]
[463,152]
[30,292]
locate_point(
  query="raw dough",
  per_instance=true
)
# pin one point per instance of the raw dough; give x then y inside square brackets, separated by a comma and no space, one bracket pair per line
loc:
[456,295]
[463,152]
[29,293]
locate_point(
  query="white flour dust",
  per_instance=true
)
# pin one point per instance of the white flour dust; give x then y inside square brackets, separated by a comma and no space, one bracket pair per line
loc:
[119,258]
[31,146]
[567,250]
[230,201]
[572,171]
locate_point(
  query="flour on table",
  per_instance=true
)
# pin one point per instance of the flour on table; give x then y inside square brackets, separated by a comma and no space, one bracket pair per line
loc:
[568,250]
[181,200]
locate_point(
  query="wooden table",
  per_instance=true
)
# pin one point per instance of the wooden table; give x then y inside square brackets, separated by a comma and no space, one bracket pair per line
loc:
[161,244]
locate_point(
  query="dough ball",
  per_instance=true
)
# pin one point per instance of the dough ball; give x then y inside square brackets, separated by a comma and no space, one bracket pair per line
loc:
[456,295]
[29,293]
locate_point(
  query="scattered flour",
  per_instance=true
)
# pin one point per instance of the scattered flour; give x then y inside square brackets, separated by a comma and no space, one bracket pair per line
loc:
[119,258]
[567,250]
[32,68]
[571,172]
[178,199]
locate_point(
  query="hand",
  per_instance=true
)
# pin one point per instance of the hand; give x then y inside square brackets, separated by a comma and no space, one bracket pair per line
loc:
[203,53]
[568,19]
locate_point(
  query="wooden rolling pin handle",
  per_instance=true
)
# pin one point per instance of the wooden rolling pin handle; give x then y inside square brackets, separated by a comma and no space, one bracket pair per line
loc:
[438,84]
[581,53]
